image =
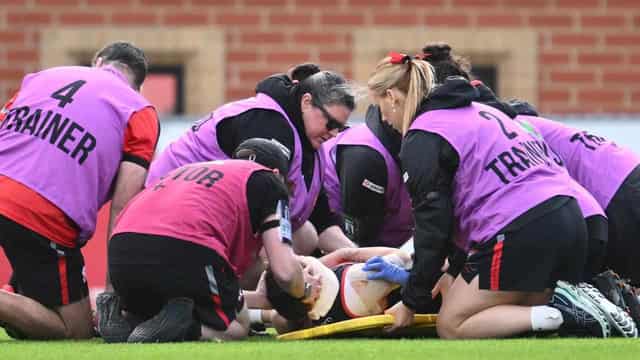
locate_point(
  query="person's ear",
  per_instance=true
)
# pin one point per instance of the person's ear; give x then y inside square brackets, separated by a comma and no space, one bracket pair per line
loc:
[98,62]
[393,99]
[305,102]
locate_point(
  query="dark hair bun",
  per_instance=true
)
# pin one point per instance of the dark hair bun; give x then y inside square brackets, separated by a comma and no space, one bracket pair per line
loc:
[437,51]
[303,71]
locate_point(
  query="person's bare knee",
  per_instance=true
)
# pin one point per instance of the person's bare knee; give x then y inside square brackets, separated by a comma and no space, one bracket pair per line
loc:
[237,331]
[35,321]
[448,326]
[77,319]
[464,302]
[305,239]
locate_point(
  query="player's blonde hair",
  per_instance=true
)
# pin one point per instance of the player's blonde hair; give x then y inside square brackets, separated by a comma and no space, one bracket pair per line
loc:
[414,77]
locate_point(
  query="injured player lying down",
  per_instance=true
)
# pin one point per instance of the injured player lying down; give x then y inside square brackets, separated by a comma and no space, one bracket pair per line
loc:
[356,282]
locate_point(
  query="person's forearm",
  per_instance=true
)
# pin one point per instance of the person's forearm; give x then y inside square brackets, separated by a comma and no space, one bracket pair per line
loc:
[286,268]
[114,210]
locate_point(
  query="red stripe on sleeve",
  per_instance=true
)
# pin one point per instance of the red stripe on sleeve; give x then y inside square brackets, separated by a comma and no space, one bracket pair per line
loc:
[343,300]
[141,135]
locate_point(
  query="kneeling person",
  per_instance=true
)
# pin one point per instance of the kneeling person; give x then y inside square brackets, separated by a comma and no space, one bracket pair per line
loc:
[179,248]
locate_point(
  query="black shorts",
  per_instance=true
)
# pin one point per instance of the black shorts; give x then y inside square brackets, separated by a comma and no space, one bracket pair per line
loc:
[623,247]
[598,234]
[532,256]
[148,270]
[48,273]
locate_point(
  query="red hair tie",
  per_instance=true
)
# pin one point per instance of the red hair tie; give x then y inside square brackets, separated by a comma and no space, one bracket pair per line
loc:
[399,58]
[476,83]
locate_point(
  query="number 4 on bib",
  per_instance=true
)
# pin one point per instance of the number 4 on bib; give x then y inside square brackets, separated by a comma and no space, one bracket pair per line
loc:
[65,94]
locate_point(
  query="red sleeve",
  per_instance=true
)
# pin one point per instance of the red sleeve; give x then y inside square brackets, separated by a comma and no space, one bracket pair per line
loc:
[7,106]
[141,137]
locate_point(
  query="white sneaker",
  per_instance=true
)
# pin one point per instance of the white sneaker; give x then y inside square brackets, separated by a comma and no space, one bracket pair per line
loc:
[618,318]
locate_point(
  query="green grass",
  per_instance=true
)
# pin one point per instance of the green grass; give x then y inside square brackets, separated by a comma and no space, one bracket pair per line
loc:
[267,348]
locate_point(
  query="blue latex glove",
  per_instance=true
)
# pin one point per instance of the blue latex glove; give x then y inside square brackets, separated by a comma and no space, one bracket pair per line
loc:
[380,269]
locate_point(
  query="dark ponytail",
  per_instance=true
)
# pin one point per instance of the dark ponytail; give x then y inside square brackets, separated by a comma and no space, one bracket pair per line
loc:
[444,63]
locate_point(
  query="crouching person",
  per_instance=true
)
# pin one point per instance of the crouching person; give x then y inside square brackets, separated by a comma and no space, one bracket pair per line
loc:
[180,246]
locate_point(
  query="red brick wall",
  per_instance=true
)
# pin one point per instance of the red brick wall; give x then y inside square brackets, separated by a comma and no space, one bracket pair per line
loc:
[589,49]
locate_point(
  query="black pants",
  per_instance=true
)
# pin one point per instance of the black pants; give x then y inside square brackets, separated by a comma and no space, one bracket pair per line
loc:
[623,247]
[148,270]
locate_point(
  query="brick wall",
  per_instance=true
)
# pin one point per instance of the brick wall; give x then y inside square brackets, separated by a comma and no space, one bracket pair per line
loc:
[588,55]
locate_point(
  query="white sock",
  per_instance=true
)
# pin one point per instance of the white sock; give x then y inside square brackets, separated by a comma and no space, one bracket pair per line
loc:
[255,316]
[545,318]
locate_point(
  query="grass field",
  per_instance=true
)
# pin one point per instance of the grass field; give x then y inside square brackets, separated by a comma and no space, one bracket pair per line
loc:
[357,349]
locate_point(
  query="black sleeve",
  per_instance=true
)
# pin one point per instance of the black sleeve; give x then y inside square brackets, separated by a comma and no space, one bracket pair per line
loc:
[260,123]
[363,182]
[322,217]
[429,164]
[264,191]
[523,107]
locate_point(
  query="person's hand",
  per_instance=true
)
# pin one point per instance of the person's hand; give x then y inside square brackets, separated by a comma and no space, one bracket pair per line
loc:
[443,284]
[402,316]
[378,268]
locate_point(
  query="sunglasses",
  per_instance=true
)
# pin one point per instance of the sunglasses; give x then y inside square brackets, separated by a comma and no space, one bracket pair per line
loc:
[332,123]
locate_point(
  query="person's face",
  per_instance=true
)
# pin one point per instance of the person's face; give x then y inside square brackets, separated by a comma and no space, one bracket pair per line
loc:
[322,122]
[391,105]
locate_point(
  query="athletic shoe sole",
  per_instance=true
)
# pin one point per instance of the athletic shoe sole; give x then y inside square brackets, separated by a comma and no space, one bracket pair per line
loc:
[618,318]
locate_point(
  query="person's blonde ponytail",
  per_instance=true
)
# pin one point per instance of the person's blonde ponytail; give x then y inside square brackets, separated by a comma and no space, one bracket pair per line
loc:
[421,82]
[414,77]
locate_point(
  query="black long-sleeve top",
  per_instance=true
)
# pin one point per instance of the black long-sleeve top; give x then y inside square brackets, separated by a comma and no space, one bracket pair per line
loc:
[270,124]
[363,207]
[429,164]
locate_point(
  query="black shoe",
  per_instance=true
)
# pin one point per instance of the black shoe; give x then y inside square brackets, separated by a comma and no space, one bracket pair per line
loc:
[258,329]
[174,323]
[112,325]
[580,317]
[619,292]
